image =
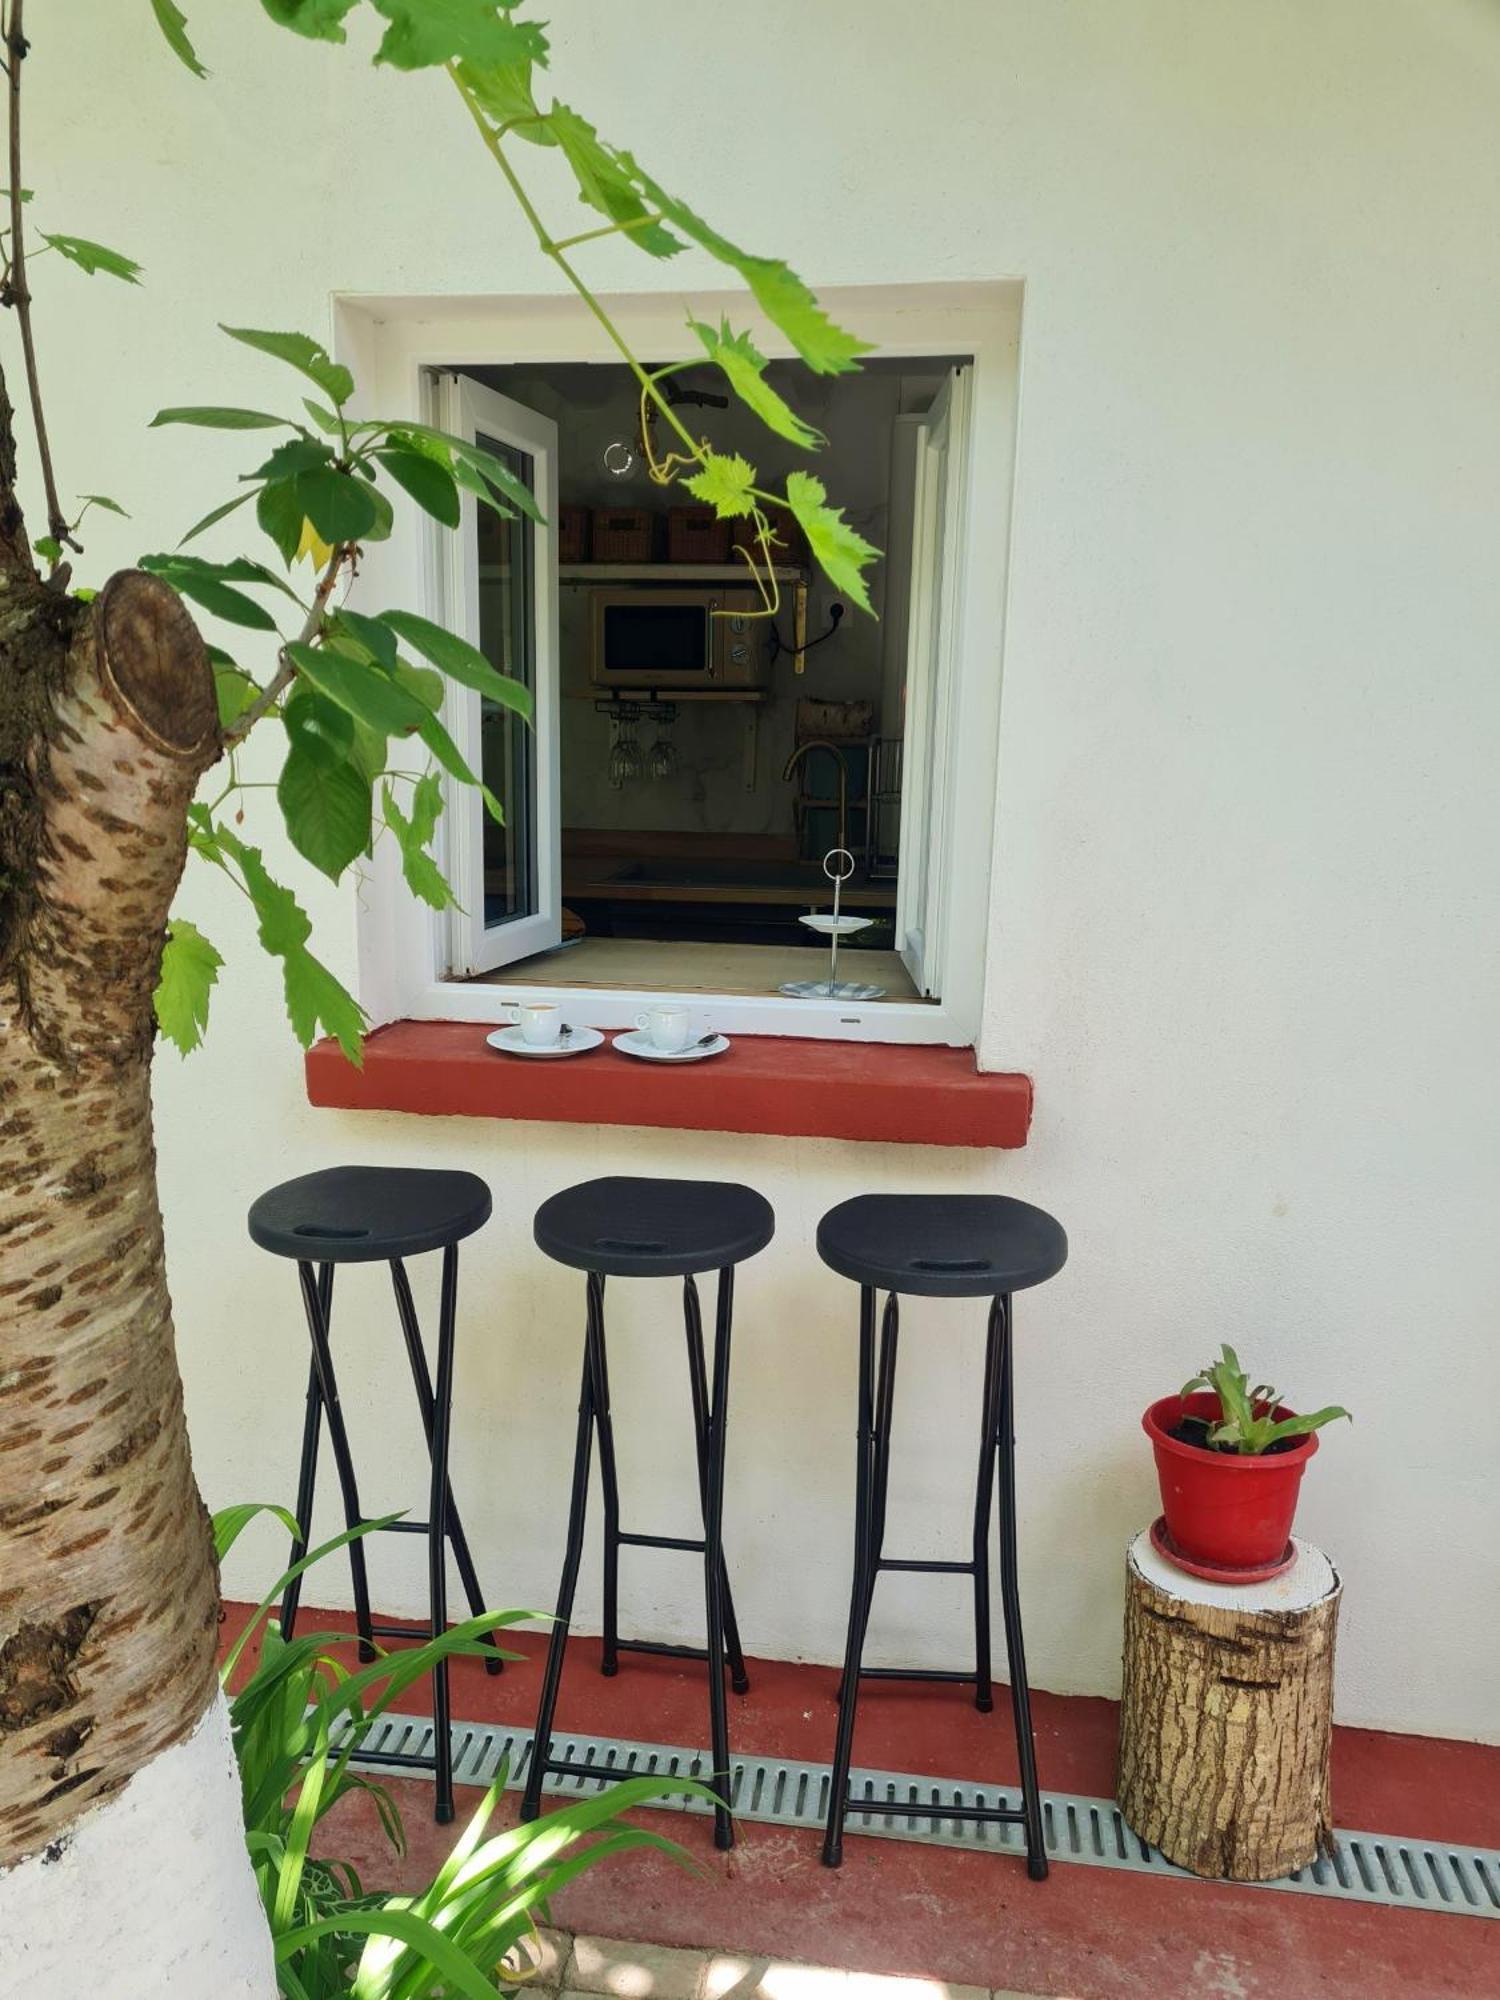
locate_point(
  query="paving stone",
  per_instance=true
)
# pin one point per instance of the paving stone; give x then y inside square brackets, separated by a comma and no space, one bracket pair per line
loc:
[547,1952]
[634,1971]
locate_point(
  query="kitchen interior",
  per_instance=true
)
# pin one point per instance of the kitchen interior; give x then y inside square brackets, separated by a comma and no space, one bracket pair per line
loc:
[711,755]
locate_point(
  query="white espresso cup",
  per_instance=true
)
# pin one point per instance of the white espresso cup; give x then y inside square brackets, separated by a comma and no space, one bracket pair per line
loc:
[541,1023]
[667,1028]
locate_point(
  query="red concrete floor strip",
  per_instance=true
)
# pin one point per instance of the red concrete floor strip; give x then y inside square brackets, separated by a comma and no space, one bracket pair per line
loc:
[920,1096]
[940,1913]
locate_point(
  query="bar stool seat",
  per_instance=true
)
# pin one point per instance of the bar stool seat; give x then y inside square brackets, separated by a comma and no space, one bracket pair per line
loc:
[628,1226]
[368,1215]
[942,1246]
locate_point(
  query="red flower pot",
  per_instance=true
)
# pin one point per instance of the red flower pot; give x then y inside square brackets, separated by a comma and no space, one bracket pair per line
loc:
[1230,1510]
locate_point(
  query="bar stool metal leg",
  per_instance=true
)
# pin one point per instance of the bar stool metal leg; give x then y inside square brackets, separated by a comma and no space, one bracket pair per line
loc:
[609,1479]
[698,1383]
[531,1802]
[713,1561]
[412,1334]
[989,1427]
[343,1458]
[859,1597]
[437,1533]
[307,1471]
[1010,1595]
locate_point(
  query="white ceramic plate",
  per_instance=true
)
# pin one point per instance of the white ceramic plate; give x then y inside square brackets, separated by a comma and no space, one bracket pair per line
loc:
[637,1043]
[510,1042]
[830,926]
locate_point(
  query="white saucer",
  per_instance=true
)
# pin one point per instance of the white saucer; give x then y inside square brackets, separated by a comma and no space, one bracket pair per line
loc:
[510,1042]
[831,926]
[636,1042]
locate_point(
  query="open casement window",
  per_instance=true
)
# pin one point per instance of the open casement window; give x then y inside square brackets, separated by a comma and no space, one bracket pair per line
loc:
[500,591]
[932,710]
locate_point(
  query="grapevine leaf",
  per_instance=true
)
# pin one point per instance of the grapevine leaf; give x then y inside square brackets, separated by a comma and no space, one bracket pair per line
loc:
[841,552]
[423,33]
[459,660]
[428,483]
[299,351]
[326,808]
[503,92]
[319,20]
[744,367]
[173,24]
[604,185]
[189,968]
[423,876]
[724,484]
[92,257]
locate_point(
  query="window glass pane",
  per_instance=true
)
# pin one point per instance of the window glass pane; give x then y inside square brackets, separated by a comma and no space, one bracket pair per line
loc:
[507,638]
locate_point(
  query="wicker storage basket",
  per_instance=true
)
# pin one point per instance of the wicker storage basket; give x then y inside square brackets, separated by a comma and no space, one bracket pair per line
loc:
[789,548]
[696,534]
[572,534]
[623,534]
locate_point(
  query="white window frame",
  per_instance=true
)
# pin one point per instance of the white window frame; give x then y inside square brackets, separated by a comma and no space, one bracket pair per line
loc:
[398,347]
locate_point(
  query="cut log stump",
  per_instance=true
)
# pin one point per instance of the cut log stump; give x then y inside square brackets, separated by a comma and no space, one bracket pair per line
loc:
[1227,1715]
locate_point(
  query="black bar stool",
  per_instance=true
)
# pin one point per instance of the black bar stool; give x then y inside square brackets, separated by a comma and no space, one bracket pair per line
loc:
[367,1215]
[635,1228]
[950,1247]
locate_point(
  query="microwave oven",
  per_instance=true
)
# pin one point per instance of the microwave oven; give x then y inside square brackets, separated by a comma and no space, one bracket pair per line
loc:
[677,638]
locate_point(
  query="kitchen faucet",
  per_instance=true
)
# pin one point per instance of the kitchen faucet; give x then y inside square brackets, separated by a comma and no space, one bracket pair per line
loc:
[822,743]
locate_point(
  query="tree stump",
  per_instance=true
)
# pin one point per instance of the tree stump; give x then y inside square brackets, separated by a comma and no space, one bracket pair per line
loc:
[1227,1714]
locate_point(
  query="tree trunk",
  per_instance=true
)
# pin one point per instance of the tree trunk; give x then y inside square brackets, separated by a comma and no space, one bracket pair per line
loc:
[108,1591]
[1226,1715]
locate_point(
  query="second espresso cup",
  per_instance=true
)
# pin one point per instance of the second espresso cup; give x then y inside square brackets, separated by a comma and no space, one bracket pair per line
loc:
[541,1022]
[666,1028]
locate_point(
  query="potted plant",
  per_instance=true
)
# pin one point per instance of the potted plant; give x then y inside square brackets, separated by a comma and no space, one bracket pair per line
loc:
[1230,1460]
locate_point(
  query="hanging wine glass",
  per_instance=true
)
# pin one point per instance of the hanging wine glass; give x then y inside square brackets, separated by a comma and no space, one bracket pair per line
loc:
[625,757]
[662,762]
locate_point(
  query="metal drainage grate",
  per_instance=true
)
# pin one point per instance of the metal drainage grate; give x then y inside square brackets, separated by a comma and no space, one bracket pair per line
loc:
[1365,1867]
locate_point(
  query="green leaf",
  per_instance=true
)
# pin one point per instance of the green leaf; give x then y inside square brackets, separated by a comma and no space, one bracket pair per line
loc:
[293,455]
[299,351]
[368,694]
[318,728]
[319,20]
[428,483]
[423,876]
[423,682]
[459,660]
[371,635]
[92,257]
[724,484]
[314,998]
[423,33]
[207,589]
[828,349]
[841,552]
[340,508]
[744,367]
[323,418]
[230,1523]
[326,808]
[279,513]
[603,183]
[368,752]
[173,24]
[235,691]
[503,92]
[442,746]
[216,514]
[49,548]
[103,500]
[460,454]
[189,968]
[211,417]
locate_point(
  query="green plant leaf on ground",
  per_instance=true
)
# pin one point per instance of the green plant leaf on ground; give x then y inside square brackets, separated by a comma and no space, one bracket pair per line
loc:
[189,968]
[300,351]
[724,484]
[326,807]
[840,551]
[424,33]
[173,24]
[737,356]
[92,257]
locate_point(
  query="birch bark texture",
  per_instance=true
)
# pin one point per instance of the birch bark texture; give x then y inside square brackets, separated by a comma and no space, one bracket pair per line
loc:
[1226,1718]
[108,1590]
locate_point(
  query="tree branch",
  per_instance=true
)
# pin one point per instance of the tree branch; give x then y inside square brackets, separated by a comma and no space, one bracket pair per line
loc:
[16,293]
[285,672]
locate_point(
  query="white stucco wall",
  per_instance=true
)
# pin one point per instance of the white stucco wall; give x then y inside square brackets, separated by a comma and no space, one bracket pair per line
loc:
[1245,914]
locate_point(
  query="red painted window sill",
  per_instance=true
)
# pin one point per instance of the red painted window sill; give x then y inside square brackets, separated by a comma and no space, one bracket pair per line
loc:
[799,1089]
